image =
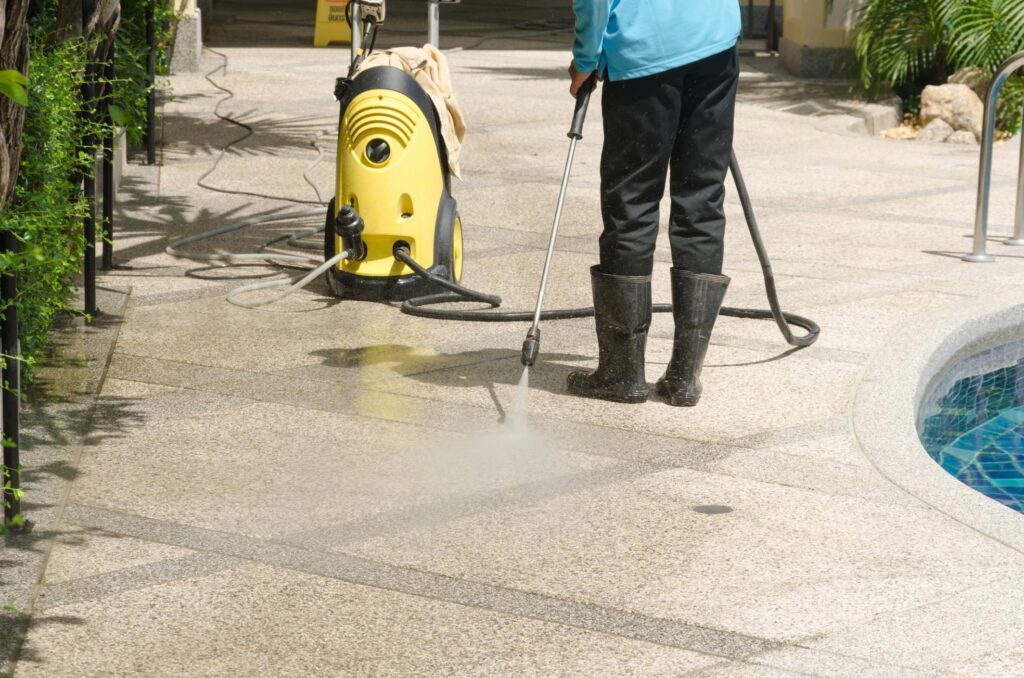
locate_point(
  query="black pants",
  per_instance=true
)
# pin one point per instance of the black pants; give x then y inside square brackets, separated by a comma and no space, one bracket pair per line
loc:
[680,120]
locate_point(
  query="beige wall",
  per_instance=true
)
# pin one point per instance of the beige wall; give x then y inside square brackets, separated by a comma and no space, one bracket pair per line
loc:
[816,43]
[185,7]
[808,24]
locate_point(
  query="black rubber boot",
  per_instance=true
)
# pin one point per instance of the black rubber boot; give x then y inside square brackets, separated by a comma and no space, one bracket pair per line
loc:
[622,311]
[696,301]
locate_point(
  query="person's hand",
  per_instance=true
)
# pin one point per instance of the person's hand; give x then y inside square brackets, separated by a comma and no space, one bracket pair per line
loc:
[578,79]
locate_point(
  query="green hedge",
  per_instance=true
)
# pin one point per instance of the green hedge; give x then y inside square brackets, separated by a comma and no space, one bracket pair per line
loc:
[47,212]
[48,209]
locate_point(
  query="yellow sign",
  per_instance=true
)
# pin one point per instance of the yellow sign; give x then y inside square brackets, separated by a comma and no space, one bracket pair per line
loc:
[330,23]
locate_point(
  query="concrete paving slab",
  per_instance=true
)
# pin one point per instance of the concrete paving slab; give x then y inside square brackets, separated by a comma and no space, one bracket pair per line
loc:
[208,625]
[812,473]
[82,553]
[430,585]
[735,409]
[743,670]
[995,607]
[58,413]
[803,661]
[643,545]
[349,470]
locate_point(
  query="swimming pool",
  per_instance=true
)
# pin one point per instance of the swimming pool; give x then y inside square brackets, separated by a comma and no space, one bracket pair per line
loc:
[972,423]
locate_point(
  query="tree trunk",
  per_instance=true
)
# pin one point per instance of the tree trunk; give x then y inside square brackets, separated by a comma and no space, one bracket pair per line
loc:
[13,56]
[101,16]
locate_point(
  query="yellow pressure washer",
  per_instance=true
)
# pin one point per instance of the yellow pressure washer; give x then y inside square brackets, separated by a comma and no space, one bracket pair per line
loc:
[393,191]
[393,183]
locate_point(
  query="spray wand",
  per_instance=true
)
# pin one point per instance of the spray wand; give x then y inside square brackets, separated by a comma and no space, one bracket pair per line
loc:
[531,346]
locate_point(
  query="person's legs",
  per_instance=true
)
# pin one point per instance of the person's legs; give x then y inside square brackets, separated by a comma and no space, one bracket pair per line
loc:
[641,118]
[640,122]
[700,161]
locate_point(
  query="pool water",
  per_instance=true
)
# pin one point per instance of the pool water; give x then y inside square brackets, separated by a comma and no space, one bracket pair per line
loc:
[974,429]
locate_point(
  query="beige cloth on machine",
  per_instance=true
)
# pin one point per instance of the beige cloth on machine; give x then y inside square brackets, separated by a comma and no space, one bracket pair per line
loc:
[430,69]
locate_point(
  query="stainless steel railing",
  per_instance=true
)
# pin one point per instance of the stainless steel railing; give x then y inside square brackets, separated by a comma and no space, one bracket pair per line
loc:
[979,253]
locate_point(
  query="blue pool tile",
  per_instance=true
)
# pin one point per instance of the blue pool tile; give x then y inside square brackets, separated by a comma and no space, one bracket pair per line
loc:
[977,432]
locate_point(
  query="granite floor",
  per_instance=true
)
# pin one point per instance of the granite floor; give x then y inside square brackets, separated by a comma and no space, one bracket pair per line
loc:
[329,488]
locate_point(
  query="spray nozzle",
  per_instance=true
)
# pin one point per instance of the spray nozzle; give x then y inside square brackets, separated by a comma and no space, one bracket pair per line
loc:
[531,347]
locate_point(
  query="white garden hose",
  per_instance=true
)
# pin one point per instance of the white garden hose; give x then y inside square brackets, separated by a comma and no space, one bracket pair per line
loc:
[291,285]
[294,284]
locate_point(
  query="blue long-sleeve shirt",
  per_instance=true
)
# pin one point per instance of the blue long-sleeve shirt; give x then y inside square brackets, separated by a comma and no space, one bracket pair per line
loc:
[636,38]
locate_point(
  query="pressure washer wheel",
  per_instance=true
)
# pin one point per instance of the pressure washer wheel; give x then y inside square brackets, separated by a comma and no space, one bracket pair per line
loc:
[457,248]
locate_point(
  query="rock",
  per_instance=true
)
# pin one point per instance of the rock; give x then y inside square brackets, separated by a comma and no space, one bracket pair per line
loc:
[938,130]
[975,78]
[958,105]
[961,137]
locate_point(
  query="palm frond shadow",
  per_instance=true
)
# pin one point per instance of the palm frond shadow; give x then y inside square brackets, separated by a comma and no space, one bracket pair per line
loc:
[189,136]
[151,228]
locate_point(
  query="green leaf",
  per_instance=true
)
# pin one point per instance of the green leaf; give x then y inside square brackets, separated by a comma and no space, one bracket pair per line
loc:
[12,85]
[984,33]
[900,41]
[118,115]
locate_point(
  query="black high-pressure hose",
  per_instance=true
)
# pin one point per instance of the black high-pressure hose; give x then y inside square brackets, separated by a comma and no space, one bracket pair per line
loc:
[421,306]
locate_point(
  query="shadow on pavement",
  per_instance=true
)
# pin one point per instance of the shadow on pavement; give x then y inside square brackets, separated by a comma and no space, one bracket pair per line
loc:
[173,218]
[13,626]
[193,136]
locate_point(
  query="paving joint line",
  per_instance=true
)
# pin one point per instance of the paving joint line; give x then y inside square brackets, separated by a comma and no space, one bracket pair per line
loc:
[410,581]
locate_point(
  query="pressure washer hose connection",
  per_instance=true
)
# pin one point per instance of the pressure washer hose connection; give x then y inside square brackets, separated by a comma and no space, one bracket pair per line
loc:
[531,347]
[349,225]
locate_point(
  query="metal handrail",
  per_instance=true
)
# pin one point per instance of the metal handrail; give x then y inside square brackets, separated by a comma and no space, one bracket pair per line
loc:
[1009,67]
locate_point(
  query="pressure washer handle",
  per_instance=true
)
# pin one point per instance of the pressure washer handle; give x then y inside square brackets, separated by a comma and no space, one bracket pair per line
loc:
[582,103]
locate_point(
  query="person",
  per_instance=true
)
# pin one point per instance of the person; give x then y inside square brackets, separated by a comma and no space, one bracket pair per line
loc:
[670,71]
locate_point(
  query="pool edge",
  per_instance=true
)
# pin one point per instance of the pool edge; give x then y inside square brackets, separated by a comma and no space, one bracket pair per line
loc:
[886,399]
